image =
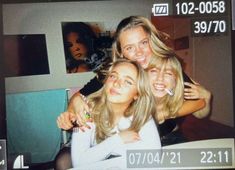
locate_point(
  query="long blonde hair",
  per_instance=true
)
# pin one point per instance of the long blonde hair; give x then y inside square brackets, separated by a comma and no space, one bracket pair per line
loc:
[157,38]
[141,109]
[170,104]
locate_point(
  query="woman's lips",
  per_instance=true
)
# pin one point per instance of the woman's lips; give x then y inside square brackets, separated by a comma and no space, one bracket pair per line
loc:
[114,92]
[78,55]
[141,60]
[158,86]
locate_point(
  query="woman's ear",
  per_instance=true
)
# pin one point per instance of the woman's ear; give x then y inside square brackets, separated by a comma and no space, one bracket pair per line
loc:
[135,97]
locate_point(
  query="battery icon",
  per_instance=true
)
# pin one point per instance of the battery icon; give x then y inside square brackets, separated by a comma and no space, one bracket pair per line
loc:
[160,9]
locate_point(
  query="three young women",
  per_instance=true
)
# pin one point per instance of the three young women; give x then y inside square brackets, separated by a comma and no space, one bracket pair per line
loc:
[138,40]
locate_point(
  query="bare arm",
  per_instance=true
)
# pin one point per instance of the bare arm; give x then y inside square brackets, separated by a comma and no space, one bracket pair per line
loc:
[191,106]
[201,93]
[75,113]
[197,102]
[77,104]
[188,107]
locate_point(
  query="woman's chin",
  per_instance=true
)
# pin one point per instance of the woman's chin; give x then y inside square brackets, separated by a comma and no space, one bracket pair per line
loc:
[160,94]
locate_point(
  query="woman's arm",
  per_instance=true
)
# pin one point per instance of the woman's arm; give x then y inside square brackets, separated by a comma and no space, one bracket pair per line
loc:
[84,153]
[78,106]
[149,137]
[191,106]
[188,107]
[75,113]
[199,92]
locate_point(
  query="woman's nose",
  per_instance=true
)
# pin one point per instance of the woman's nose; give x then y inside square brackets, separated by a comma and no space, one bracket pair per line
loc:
[160,76]
[117,83]
[139,51]
[78,49]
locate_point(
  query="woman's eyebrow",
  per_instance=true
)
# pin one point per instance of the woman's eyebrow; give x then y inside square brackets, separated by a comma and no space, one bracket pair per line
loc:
[126,76]
[113,72]
[127,45]
[129,77]
[146,38]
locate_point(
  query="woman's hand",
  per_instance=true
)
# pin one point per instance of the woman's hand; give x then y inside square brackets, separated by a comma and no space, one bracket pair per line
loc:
[76,114]
[65,120]
[68,120]
[78,105]
[196,91]
[129,136]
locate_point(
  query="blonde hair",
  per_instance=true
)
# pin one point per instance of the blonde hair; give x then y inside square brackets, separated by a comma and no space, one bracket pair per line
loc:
[170,104]
[141,108]
[157,38]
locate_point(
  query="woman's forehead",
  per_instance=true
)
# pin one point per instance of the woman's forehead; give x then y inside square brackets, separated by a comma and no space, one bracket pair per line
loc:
[166,64]
[133,34]
[127,68]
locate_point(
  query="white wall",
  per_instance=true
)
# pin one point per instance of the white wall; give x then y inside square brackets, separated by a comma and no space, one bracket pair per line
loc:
[46,18]
[213,67]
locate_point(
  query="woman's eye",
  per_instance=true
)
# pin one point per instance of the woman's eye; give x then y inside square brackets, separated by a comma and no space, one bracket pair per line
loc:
[128,82]
[68,44]
[129,48]
[168,73]
[112,76]
[153,71]
[78,41]
[145,42]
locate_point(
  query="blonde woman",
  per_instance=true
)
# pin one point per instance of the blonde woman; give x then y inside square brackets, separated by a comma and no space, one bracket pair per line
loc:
[121,111]
[167,85]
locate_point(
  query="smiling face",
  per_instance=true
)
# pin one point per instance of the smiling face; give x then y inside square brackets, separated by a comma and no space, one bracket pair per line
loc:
[121,84]
[135,45]
[162,77]
[77,49]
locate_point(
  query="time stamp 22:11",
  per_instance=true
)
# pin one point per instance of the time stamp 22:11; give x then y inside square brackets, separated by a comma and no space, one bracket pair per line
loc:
[215,157]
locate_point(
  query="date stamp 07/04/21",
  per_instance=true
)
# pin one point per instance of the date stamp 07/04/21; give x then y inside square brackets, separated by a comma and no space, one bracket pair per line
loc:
[200,157]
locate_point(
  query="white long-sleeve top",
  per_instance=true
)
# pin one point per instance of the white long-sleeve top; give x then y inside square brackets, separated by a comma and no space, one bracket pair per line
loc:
[86,151]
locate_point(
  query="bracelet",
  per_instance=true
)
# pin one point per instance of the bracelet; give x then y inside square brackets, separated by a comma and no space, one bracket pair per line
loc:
[87,115]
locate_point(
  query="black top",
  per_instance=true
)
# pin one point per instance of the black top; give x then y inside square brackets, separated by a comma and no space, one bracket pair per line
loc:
[92,86]
[95,84]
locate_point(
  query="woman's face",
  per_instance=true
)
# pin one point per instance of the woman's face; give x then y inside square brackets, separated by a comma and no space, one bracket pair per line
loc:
[135,45]
[77,49]
[121,87]
[161,78]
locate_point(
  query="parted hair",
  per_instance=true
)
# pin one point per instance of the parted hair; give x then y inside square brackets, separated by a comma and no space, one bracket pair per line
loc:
[156,37]
[141,109]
